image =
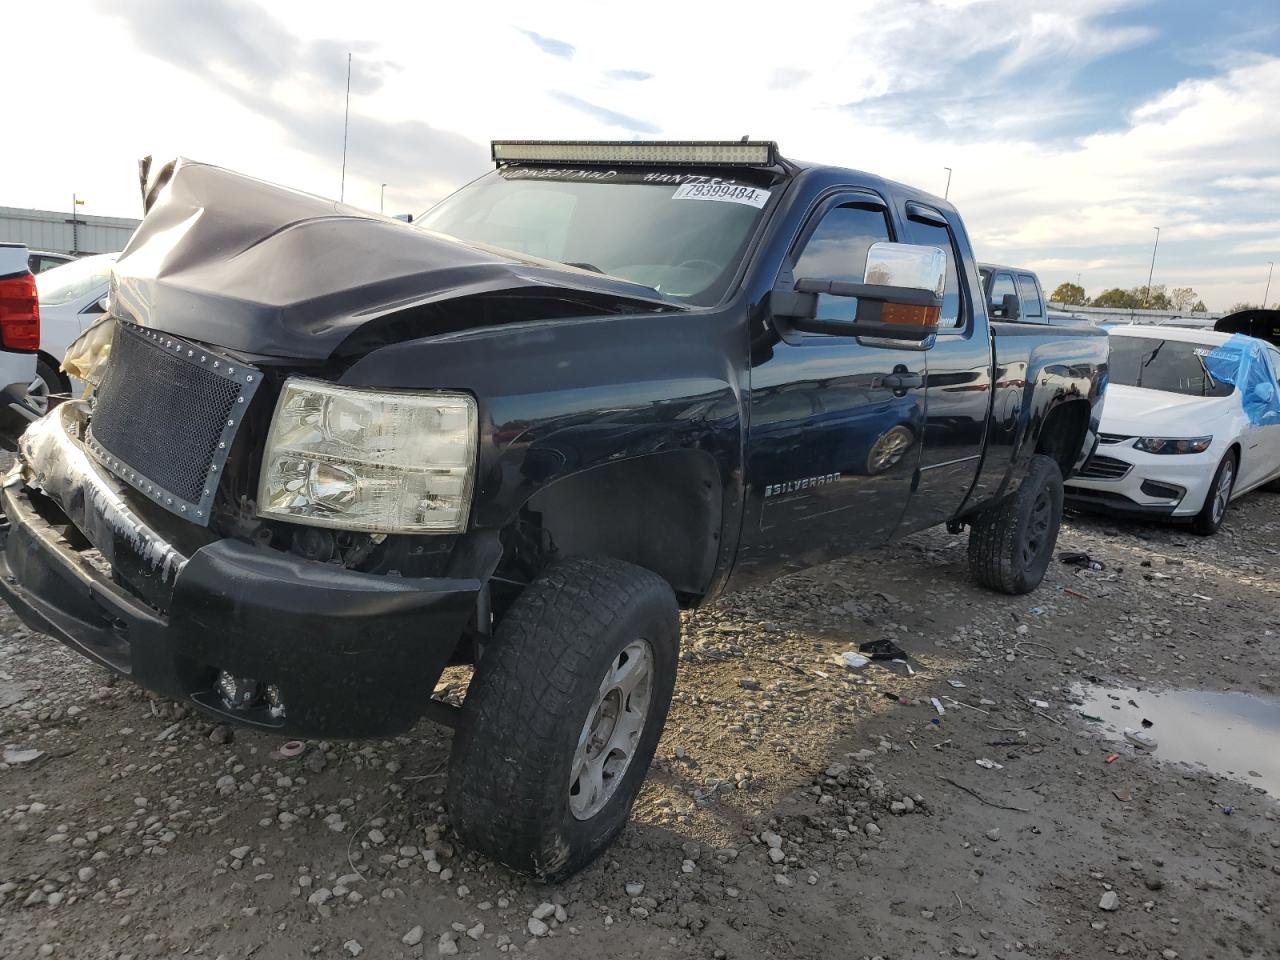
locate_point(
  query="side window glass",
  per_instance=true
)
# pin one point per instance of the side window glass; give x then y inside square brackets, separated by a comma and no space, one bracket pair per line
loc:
[1002,286]
[935,235]
[837,250]
[1030,296]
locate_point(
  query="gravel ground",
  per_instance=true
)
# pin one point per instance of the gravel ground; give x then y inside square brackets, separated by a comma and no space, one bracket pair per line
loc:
[795,809]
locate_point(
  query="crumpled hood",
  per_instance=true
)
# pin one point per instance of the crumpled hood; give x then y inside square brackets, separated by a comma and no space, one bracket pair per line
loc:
[233,261]
[1137,411]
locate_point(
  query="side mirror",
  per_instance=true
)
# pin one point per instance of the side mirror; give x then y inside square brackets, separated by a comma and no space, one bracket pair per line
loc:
[1010,308]
[900,297]
[1263,392]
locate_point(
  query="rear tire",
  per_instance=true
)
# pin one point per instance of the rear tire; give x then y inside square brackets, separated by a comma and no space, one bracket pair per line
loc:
[563,716]
[1209,520]
[48,381]
[1011,542]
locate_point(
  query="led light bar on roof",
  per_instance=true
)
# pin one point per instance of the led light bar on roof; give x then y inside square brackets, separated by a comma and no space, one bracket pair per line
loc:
[711,153]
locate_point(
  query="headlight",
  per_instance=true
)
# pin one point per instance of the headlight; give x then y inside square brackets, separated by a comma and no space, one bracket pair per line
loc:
[1173,444]
[360,459]
[87,356]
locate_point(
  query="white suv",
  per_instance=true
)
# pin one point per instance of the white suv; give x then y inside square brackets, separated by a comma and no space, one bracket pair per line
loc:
[19,341]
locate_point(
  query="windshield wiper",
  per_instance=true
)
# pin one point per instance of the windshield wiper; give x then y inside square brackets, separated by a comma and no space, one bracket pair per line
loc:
[1209,383]
[1147,362]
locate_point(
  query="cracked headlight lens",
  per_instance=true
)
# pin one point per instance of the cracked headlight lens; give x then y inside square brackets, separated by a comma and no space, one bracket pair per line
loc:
[1173,444]
[370,460]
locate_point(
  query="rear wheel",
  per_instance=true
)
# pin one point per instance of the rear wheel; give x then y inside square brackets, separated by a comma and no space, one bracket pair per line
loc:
[1208,521]
[1011,542]
[47,382]
[563,716]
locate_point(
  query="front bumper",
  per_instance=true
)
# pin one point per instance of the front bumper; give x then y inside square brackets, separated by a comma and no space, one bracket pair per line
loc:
[1155,485]
[84,559]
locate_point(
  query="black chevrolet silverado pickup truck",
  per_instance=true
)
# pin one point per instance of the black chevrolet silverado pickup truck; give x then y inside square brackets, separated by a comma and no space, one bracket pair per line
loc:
[326,454]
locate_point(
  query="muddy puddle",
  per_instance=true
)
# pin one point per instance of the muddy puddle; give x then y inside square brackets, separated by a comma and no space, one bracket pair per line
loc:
[1230,734]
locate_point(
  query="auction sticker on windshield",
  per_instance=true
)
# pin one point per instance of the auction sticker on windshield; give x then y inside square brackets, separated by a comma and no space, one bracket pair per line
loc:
[729,192]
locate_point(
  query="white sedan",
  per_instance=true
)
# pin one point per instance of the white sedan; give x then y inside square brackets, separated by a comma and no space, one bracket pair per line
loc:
[69,298]
[1191,421]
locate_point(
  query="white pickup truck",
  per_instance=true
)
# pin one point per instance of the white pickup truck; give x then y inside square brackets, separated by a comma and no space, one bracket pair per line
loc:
[19,341]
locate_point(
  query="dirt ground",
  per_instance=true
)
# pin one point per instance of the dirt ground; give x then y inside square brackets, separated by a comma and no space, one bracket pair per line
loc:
[795,809]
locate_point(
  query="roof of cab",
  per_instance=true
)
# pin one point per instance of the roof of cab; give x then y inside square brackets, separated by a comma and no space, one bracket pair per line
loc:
[847,175]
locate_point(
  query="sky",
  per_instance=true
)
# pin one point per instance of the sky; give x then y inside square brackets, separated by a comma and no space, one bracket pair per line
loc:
[1072,129]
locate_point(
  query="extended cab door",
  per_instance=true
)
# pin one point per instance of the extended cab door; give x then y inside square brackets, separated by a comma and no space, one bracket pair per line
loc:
[835,422]
[958,394]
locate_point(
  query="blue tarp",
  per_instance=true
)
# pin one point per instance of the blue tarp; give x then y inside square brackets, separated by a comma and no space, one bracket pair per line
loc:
[1242,362]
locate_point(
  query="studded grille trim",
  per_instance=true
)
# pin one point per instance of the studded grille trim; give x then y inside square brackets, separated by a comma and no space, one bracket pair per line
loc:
[165,417]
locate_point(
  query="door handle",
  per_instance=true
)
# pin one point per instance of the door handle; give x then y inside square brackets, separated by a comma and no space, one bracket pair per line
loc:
[903,381]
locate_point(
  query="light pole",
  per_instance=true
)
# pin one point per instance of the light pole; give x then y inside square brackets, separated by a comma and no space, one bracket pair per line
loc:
[1150,273]
[75,223]
[1271,265]
[382,196]
[947,192]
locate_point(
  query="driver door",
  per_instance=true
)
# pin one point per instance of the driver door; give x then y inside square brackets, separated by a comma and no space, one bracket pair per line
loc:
[831,446]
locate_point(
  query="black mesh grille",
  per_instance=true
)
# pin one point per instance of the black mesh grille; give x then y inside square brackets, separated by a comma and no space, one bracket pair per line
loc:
[1105,468]
[165,416]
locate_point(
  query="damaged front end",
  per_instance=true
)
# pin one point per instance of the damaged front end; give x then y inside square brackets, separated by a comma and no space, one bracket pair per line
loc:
[332,651]
[135,530]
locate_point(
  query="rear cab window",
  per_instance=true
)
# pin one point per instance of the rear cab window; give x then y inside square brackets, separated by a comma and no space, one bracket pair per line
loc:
[1029,294]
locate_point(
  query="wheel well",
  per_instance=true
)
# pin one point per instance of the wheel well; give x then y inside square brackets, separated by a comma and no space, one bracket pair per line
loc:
[1062,434]
[66,381]
[661,512]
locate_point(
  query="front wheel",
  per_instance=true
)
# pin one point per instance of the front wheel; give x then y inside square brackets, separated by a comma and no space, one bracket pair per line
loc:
[1209,519]
[1011,542]
[563,716]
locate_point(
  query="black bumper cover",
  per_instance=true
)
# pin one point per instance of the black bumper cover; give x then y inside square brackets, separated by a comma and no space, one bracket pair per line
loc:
[353,654]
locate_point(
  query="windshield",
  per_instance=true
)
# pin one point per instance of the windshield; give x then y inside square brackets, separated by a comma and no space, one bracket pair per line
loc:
[1173,366]
[679,233]
[74,280]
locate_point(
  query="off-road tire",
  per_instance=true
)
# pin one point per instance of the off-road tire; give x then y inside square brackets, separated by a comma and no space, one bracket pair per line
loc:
[1011,542]
[509,772]
[1204,524]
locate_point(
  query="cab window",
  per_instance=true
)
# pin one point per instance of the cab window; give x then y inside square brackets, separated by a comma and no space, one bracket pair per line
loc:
[1029,294]
[837,250]
[1001,287]
[937,235]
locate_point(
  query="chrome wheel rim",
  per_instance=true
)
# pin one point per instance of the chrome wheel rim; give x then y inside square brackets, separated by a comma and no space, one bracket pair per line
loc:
[612,732]
[38,396]
[889,449]
[1222,493]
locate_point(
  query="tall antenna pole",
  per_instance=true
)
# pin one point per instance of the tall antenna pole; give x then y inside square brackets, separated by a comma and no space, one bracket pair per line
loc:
[1151,273]
[346,120]
[1271,265]
[947,192]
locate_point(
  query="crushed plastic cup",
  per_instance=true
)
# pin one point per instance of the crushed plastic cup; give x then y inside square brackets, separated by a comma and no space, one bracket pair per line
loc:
[1140,738]
[853,660]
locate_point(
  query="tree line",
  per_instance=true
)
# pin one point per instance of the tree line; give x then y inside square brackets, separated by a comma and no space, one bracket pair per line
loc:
[1181,299]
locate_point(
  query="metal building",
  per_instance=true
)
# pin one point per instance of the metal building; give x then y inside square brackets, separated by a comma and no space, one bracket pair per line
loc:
[56,232]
